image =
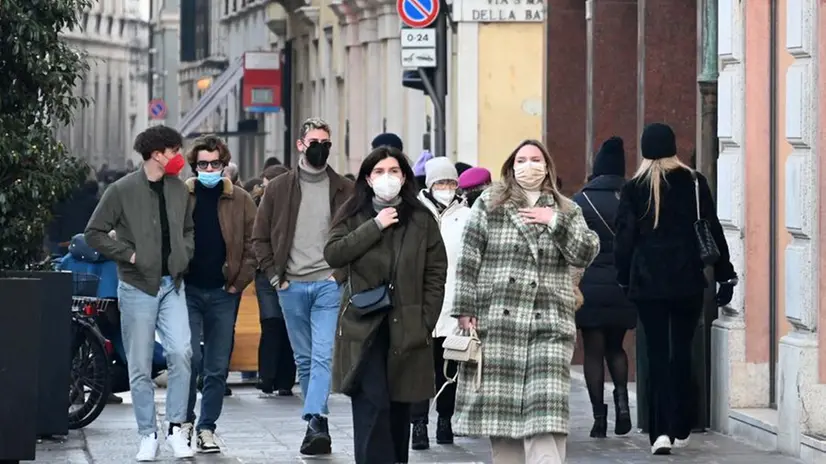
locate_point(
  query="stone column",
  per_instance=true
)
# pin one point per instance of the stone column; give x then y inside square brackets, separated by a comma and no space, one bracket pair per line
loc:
[465,92]
[354,82]
[565,93]
[394,110]
[368,35]
[801,399]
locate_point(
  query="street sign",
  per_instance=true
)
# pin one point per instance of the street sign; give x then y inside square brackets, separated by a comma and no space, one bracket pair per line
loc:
[418,38]
[419,58]
[418,13]
[157,109]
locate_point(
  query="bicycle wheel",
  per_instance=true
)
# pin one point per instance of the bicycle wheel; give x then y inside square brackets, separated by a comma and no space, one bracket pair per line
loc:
[90,383]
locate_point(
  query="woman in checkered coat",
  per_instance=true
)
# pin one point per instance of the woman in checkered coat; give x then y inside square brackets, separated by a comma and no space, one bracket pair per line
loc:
[514,286]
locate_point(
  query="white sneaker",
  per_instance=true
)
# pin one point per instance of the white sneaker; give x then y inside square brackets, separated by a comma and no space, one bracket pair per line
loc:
[148,449]
[179,444]
[206,442]
[662,445]
[681,443]
[188,428]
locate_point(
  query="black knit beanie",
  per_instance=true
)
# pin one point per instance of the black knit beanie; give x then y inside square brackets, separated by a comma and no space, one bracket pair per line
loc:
[389,139]
[610,159]
[658,141]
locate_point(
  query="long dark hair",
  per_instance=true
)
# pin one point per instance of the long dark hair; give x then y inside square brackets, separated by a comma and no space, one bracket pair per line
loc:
[362,197]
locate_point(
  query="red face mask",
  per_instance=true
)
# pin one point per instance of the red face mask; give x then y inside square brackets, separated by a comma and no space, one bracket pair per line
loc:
[175,165]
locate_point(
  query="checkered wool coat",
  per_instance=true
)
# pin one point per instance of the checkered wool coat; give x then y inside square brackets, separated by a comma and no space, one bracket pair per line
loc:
[516,279]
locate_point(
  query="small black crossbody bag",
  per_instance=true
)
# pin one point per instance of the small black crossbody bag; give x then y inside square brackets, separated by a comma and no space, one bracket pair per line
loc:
[379,299]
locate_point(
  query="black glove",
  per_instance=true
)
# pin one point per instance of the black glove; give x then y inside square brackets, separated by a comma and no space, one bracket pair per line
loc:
[724,293]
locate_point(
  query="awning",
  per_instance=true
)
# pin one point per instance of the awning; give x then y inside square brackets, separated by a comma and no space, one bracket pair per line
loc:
[213,97]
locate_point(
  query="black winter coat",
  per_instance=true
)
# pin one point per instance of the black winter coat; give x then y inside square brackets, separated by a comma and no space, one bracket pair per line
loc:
[664,263]
[605,304]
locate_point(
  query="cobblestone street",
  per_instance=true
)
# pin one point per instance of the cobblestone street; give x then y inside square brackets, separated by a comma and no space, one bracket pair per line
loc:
[258,430]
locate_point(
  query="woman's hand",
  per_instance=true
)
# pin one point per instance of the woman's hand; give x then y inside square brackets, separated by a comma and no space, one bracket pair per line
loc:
[387,217]
[467,322]
[537,215]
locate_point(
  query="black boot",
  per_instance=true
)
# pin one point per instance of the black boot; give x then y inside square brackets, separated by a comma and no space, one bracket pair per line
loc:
[444,431]
[418,438]
[600,428]
[265,385]
[317,439]
[623,410]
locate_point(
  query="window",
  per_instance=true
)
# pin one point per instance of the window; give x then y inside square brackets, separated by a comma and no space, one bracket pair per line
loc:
[201,29]
[110,23]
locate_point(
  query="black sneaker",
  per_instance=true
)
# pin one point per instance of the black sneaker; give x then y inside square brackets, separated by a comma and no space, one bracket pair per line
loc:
[317,439]
[418,438]
[206,442]
[284,392]
[265,386]
[444,431]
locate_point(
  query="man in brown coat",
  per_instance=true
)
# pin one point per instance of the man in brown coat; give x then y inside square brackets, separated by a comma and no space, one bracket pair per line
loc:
[291,230]
[222,266]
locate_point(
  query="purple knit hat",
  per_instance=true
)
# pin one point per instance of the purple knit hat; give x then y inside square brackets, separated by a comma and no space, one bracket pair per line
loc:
[418,168]
[474,177]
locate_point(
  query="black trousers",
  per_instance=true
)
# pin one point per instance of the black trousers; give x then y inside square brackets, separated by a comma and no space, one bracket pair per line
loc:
[276,363]
[381,428]
[446,402]
[669,330]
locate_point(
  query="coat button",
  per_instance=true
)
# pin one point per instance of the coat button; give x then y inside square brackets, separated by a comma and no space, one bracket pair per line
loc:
[538,315]
[533,284]
[395,320]
[511,280]
[506,312]
[516,248]
[541,251]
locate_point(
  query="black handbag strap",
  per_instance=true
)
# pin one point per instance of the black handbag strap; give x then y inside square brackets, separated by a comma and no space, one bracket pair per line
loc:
[394,264]
[604,222]
[696,192]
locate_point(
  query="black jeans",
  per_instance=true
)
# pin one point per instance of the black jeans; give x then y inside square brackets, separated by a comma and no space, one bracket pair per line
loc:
[446,402]
[276,363]
[669,330]
[381,428]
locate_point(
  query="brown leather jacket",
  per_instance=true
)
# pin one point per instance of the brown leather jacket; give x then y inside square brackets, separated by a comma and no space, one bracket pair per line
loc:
[236,214]
[275,223]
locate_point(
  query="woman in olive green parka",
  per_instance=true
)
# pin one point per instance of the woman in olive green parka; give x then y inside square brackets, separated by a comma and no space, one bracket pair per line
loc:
[384,361]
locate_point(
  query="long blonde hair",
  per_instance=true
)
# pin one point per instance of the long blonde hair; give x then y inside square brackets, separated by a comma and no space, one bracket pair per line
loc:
[652,173]
[507,190]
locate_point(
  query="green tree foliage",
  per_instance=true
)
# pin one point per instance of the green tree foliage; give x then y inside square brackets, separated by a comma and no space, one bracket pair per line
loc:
[38,73]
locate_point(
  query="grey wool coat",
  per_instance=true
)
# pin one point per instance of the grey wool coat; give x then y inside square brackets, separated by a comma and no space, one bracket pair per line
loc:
[516,279]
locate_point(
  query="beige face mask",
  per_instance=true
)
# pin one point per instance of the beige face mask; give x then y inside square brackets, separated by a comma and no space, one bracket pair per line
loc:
[530,175]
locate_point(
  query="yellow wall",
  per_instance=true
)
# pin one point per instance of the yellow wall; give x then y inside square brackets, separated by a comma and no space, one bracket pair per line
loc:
[510,78]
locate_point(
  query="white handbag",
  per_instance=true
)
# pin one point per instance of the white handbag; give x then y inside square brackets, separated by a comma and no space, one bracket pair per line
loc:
[461,348]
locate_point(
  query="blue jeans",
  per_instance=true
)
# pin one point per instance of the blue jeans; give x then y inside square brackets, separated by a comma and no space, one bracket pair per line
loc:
[141,315]
[213,312]
[311,314]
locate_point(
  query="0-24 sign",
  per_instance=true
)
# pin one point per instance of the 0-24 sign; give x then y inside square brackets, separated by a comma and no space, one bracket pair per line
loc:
[418,38]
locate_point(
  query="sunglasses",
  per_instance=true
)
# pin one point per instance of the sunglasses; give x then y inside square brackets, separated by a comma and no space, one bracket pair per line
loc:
[323,143]
[216,164]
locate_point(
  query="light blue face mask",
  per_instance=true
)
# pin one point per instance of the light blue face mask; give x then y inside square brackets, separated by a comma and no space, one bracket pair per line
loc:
[209,179]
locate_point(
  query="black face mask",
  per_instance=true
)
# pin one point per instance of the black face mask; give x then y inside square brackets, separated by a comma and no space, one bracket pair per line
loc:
[317,154]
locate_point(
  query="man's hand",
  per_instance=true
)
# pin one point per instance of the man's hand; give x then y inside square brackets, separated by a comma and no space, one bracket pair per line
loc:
[537,215]
[284,285]
[132,258]
[232,289]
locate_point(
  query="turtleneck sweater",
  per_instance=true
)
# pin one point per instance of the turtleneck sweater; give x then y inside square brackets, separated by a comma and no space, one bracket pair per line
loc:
[379,204]
[306,260]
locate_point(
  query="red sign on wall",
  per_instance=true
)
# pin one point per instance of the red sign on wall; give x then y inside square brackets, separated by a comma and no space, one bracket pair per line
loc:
[262,82]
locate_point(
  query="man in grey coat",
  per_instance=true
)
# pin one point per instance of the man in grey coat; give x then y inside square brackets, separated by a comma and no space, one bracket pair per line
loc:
[151,213]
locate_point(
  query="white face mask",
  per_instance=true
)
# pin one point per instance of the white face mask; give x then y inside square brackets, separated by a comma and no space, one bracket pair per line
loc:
[386,187]
[445,197]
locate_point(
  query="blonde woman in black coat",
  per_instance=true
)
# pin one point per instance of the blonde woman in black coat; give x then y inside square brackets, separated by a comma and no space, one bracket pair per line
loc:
[606,314]
[658,262]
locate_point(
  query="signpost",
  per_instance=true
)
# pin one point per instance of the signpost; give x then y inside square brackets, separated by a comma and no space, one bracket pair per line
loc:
[424,48]
[157,109]
[262,82]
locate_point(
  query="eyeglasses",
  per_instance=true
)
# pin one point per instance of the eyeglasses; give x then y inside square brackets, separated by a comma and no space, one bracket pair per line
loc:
[324,143]
[216,164]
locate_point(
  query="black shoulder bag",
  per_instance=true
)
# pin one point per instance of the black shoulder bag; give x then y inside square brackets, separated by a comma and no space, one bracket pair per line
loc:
[709,253]
[379,299]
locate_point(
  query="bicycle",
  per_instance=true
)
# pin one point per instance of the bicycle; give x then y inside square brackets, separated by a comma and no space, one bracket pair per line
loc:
[90,382]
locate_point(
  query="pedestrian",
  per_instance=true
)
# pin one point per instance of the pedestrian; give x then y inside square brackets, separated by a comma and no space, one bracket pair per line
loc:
[389,244]
[659,266]
[388,139]
[276,361]
[233,174]
[514,287]
[222,266]
[291,229]
[151,214]
[473,182]
[451,214]
[606,314]
[462,167]
[418,168]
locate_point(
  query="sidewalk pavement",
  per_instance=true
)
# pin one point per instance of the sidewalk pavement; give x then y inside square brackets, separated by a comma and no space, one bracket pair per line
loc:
[268,430]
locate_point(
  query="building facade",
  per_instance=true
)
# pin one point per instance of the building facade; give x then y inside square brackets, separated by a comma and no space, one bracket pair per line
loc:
[115,38]
[164,58]
[770,381]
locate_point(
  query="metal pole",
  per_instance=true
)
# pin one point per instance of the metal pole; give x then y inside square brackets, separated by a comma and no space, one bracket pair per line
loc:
[440,86]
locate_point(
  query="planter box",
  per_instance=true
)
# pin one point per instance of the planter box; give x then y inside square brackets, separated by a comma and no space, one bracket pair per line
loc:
[20,344]
[54,361]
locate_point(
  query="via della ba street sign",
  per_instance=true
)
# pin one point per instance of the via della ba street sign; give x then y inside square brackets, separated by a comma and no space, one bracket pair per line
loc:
[418,13]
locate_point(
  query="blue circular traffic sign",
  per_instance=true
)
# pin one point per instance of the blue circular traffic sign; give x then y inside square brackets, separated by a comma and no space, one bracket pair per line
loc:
[418,13]
[157,109]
